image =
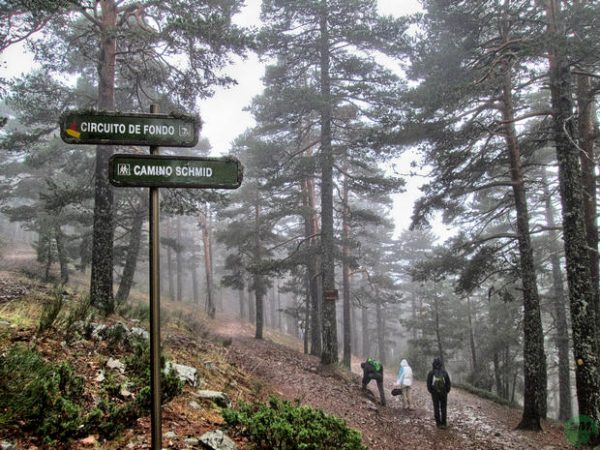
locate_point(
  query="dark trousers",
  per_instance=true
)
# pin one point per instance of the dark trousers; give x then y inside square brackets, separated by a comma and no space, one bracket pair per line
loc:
[379,379]
[440,402]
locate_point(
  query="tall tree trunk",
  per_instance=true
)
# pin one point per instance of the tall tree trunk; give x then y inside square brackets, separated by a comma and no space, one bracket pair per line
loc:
[414,315]
[534,401]
[178,261]
[355,327]
[559,301]
[438,333]
[507,366]
[366,347]
[85,252]
[195,287]
[581,293]
[101,282]
[251,305]
[474,367]
[277,288]
[259,289]
[586,125]
[347,324]
[61,253]
[329,354]
[307,326]
[49,257]
[498,375]
[311,227]
[205,226]
[133,250]
[380,331]
[273,308]
[242,302]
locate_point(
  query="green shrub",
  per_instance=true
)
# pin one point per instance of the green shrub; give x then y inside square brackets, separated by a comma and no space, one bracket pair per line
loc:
[51,310]
[283,426]
[46,399]
[43,396]
[134,310]
[116,338]
[138,368]
[110,418]
[81,312]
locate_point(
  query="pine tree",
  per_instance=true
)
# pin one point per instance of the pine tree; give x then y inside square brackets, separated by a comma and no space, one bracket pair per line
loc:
[581,293]
[130,47]
[331,39]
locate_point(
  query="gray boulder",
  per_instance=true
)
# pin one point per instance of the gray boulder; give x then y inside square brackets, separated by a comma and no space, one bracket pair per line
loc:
[217,440]
[186,374]
[220,398]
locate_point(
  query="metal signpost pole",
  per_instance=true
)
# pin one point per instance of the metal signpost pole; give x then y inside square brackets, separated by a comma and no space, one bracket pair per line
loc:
[155,413]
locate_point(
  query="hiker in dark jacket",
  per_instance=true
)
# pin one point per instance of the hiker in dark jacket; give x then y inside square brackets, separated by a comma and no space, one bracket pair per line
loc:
[438,385]
[373,370]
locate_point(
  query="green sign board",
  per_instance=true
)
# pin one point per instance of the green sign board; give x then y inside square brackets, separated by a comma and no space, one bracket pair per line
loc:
[127,170]
[101,127]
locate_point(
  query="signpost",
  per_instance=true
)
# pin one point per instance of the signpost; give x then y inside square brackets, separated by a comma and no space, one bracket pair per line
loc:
[153,171]
[175,171]
[101,127]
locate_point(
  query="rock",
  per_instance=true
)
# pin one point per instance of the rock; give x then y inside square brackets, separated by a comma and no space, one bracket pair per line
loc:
[89,441]
[7,445]
[98,330]
[170,435]
[194,405]
[192,441]
[220,398]
[186,374]
[100,377]
[217,440]
[115,364]
[125,393]
[140,332]
[4,323]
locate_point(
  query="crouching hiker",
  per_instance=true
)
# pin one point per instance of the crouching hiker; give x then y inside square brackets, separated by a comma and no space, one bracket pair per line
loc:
[438,385]
[373,370]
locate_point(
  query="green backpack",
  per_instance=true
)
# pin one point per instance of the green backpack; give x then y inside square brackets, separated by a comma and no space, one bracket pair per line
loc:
[439,383]
[376,364]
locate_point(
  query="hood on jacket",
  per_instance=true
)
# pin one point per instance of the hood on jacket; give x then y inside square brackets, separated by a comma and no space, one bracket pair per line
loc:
[403,363]
[437,363]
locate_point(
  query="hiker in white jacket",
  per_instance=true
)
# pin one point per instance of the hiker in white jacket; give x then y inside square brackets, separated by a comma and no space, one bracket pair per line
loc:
[405,379]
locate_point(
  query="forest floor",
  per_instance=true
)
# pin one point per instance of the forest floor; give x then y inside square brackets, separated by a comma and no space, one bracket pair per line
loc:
[250,369]
[473,422]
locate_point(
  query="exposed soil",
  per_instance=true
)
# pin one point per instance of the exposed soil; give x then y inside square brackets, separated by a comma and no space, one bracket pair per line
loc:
[474,423]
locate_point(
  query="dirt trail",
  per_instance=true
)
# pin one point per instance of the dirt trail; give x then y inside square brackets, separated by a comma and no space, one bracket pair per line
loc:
[474,423]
